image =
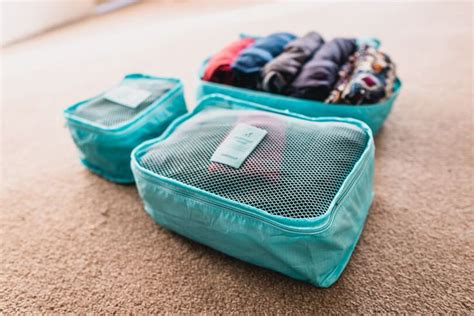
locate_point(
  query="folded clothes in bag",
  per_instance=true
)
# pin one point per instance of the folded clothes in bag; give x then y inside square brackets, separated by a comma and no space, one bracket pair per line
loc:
[320,73]
[367,78]
[278,74]
[278,190]
[373,114]
[219,68]
[106,128]
[249,62]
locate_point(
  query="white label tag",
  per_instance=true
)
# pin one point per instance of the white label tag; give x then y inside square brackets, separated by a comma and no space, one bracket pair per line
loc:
[238,145]
[127,96]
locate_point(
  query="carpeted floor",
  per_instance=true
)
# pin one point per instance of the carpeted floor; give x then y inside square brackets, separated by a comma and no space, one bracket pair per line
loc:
[72,242]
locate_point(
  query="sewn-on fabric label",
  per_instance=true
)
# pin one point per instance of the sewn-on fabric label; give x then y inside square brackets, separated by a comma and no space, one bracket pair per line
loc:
[127,96]
[238,145]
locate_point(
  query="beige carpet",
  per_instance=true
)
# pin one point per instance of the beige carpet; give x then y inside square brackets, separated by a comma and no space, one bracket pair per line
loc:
[72,242]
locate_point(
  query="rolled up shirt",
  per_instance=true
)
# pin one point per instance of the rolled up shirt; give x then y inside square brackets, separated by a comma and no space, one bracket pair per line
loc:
[250,61]
[278,74]
[219,67]
[318,76]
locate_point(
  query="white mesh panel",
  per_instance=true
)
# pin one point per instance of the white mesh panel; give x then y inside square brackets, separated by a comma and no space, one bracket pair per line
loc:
[294,172]
[109,114]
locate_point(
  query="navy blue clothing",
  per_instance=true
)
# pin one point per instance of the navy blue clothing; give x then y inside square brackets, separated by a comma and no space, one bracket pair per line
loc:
[249,63]
[278,74]
[318,76]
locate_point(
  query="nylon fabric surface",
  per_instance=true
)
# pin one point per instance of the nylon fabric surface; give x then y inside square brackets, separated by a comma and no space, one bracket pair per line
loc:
[309,237]
[104,144]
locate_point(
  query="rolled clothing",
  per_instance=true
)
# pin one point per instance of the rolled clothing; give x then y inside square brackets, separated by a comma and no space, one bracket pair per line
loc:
[250,61]
[318,76]
[219,67]
[370,80]
[278,74]
[345,74]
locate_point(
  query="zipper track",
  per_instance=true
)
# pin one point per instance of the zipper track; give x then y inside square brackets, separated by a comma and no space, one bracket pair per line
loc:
[163,182]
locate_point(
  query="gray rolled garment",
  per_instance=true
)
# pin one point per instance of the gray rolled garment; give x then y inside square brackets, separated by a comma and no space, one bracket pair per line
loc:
[278,74]
[318,76]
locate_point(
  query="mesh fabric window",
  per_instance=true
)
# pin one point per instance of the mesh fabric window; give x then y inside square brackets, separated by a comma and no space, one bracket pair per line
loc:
[294,172]
[108,114]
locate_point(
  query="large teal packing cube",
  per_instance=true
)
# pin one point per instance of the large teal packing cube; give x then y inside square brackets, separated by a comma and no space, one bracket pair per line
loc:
[298,202]
[106,132]
[374,115]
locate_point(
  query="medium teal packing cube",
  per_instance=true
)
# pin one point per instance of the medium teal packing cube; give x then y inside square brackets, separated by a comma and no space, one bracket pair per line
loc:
[374,115]
[106,132]
[295,201]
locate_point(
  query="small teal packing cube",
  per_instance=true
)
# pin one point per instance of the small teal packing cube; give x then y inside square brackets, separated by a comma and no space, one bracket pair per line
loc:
[295,201]
[106,132]
[374,115]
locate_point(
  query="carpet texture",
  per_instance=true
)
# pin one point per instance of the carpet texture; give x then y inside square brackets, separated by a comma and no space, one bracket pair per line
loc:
[73,242]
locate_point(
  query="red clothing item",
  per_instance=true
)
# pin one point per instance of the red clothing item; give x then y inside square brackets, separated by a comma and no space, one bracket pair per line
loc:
[219,68]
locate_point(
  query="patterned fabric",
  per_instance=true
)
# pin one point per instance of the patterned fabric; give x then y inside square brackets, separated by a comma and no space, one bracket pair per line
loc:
[318,76]
[368,77]
[278,74]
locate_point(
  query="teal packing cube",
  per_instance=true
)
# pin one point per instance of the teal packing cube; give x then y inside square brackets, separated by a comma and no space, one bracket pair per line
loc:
[374,115]
[278,190]
[107,127]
